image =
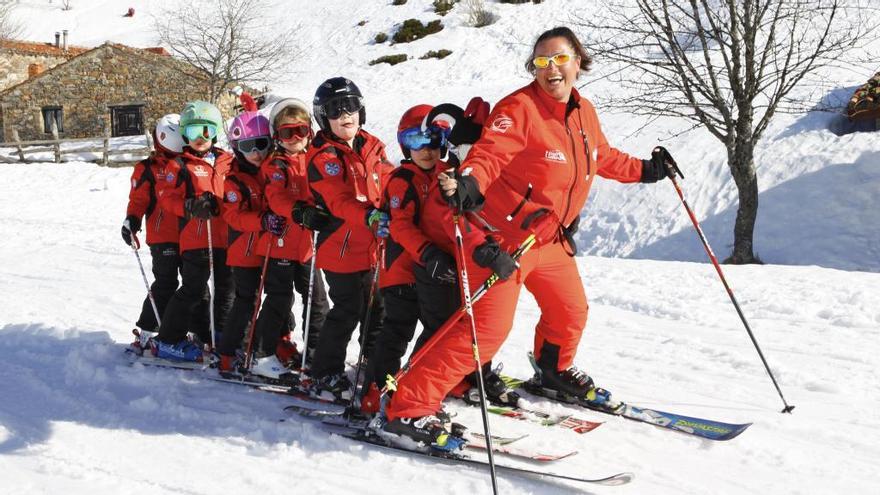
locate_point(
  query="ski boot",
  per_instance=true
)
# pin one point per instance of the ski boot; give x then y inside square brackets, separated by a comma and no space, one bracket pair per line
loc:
[141,342]
[272,370]
[419,433]
[571,385]
[497,392]
[185,350]
[336,388]
[288,354]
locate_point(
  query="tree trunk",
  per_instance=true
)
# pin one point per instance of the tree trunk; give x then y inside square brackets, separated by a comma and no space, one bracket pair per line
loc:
[742,166]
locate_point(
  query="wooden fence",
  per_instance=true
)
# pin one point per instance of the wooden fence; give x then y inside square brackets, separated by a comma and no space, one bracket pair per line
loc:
[25,148]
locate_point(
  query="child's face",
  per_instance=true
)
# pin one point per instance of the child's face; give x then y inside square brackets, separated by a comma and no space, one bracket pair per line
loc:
[295,144]
[426,157]
[200,144]
[256,157]
[346,126]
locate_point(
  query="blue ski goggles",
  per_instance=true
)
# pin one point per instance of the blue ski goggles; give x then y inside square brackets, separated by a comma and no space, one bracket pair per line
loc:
[200,131]
[415,138]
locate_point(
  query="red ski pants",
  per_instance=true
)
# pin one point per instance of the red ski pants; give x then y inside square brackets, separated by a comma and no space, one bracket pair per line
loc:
[552,278]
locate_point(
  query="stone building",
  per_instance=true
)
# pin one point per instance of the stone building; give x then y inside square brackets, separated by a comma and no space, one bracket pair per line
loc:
[112,87]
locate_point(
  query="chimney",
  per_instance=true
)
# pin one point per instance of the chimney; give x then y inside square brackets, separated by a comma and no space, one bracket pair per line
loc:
[57,39]
[64,42]
[35,70]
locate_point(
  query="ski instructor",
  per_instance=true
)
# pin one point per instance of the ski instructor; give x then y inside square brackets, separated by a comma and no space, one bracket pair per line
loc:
[529,172]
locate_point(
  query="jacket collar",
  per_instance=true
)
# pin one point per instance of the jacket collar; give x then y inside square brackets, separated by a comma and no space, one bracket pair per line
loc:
[556,108]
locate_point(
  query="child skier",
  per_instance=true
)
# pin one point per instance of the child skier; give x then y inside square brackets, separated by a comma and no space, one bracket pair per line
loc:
[194,181]
[162,232]
[251,227]
[287,192]
[346,166]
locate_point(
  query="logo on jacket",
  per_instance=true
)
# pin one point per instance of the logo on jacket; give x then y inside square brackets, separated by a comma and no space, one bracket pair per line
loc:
[277,176]
[332,168]
[395,202]
[134,184]
[555,155]
[231,197]
[169,178]
[200,171]
[501,123]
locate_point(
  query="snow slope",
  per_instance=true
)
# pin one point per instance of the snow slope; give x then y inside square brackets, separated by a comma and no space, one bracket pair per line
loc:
[75,416]
[818,190]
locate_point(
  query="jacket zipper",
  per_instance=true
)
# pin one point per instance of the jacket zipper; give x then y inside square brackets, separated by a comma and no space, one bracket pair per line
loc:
[576,171]
[159,219]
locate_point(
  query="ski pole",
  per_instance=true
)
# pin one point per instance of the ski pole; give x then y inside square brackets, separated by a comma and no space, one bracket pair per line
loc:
[308,320]
[365,328]
[211,288]
[248,356]
[391,381]
[469,309]
[135,244]
[672,170]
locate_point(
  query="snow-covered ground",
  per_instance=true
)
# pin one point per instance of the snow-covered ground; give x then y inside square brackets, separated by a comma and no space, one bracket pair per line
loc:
[75,417]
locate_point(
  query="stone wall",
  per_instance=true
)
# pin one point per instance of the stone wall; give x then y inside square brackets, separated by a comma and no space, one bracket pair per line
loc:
[14,66]
[89,85]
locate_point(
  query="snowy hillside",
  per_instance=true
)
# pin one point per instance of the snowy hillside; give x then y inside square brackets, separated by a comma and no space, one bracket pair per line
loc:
[77,418]
[818,190]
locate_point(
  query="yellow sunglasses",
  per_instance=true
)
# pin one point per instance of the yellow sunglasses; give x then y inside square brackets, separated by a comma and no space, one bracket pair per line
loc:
[558,60]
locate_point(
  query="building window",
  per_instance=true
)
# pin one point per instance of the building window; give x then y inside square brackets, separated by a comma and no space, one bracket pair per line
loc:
[53,114]
[127,120]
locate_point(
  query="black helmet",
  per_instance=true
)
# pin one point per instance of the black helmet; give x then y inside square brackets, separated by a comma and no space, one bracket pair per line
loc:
[334,96]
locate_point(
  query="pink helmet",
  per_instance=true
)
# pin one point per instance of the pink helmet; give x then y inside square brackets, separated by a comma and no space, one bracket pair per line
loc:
[249,124]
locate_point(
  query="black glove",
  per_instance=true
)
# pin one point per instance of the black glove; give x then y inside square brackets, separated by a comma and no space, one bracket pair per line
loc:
[203,207]
[656,168]
[310,216]
[272,223]
[131,225]
[490,255]
[467,195]
[468,129]
[439,264]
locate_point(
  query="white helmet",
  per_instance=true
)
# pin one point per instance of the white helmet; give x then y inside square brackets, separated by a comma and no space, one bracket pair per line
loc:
[283,103]
[167,133]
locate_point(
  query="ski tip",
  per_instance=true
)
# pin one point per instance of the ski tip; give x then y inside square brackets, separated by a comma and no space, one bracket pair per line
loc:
[733,433]
[617,479]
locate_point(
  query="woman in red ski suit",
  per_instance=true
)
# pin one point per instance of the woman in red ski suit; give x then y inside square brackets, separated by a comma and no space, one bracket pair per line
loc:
[530,172]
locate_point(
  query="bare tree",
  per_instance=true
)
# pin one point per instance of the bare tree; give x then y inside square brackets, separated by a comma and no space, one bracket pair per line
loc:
[9,27]
[232,42]
[726,65]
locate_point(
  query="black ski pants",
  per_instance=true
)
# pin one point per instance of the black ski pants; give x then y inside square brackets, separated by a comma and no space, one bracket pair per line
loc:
[166,265]
[350,293]
[283,276]
[195,274]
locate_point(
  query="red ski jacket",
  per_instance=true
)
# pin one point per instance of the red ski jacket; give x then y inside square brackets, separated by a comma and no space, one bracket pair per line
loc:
[348,183]
[188,176]
[537,154]
[148,176]
[286,183]
[243,208]
[405,195]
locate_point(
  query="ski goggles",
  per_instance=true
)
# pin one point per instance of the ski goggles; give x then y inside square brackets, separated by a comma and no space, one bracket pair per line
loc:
[290,132]
[558,60]
[259,144]
[334,109]
[415,138]
[200,131]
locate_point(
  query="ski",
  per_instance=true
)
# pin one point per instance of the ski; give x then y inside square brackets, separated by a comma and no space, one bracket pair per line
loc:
[462,458]
[569,422]
[699,427]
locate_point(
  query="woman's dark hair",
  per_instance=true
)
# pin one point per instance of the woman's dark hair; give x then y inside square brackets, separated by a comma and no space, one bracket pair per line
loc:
[568,34]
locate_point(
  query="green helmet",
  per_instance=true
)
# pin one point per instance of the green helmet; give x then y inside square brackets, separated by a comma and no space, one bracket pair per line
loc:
[200,112]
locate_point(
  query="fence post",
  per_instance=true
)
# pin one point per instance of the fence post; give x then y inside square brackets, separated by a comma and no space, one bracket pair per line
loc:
[106,159]
[17,141]
[57,144]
